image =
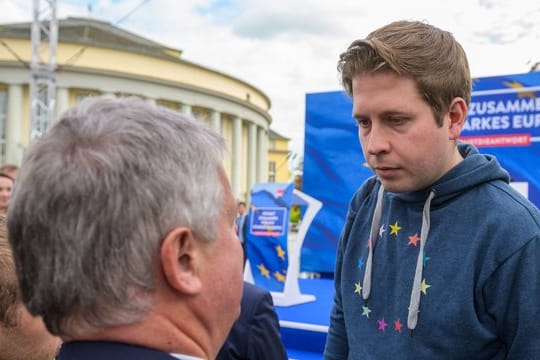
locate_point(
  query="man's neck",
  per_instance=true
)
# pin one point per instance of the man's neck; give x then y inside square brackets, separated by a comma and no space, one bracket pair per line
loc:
[154,332]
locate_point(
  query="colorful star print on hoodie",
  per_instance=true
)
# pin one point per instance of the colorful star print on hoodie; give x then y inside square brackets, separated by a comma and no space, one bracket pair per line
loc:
[452,272]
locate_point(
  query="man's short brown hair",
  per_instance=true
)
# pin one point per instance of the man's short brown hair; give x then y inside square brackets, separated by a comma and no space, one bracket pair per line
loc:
[431,57]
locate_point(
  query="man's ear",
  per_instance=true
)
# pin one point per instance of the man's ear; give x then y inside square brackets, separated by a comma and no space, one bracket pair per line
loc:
[457,114]
[180,258]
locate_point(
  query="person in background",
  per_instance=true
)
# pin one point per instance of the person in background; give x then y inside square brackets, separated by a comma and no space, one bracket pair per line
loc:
[256,334]
[122,228]
[439,255]
[10,170]
[241,218]
[6,185]
[22,336]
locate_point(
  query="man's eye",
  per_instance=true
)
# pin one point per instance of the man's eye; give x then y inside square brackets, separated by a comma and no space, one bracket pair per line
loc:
[397,120]
[363,123]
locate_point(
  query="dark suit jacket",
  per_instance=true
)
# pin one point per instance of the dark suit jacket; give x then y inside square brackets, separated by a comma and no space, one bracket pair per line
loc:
[93,350]
[256,333]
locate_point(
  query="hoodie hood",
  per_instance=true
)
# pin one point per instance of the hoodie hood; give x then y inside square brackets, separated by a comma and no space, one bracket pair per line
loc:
[474,170]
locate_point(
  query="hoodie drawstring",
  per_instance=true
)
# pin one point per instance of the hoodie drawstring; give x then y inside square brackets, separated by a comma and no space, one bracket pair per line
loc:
[374,233]
[414,305]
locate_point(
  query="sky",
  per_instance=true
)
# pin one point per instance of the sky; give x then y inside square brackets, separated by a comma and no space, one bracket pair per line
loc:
[288,48]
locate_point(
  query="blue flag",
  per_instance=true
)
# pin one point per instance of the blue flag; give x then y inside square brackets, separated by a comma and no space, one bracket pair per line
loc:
[266,235]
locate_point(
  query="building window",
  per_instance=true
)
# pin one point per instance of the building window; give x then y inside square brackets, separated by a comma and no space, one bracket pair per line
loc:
[82,94]
[169,104]
[201,114]
[3,121]
[272,171]
[121,94]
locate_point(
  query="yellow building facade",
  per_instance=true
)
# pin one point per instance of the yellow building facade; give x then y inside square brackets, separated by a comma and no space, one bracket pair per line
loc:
[97,58]
[278,158]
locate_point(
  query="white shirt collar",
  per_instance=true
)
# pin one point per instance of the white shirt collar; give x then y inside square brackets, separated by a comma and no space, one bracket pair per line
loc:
[185,357]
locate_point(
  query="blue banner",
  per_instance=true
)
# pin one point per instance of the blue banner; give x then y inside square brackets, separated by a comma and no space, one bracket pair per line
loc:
[266,235]
[334,168]
[503,120]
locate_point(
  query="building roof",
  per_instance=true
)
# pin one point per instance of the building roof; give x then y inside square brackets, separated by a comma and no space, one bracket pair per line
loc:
[272,135]
[92,32]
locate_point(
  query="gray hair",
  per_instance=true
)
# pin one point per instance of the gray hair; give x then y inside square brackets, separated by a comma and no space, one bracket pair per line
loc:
[94,198]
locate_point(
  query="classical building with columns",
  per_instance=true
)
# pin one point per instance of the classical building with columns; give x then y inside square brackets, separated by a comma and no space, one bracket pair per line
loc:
[97,58]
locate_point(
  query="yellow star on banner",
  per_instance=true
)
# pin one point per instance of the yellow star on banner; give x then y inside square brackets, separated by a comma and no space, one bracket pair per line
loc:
[279,277]
[394,228]
[264,271]
[424,287]
[280,252]
[523,94]
[357,288]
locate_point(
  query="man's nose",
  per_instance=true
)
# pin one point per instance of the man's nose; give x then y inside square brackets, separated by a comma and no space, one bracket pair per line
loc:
[377,140]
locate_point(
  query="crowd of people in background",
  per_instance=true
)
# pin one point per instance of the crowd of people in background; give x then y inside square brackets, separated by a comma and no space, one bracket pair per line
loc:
[8,173]
[22,335]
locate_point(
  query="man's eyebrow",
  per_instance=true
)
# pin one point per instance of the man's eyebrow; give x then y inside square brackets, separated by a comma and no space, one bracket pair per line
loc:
[357,115]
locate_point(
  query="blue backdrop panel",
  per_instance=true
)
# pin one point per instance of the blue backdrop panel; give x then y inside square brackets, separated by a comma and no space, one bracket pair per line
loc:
[333,169]
[266,235]
[504,120]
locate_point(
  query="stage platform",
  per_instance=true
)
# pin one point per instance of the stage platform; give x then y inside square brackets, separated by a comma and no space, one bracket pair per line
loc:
[304,327]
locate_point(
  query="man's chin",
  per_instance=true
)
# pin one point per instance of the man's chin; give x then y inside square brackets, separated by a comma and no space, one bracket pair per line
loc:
[396,186]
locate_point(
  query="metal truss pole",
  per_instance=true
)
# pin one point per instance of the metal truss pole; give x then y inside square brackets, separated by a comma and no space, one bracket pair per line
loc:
[43,67]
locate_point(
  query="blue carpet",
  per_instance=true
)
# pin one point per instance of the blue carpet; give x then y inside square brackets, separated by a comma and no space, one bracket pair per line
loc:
[304,327]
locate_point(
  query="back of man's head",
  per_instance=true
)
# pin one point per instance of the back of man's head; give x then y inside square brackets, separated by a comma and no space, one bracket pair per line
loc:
[94,198]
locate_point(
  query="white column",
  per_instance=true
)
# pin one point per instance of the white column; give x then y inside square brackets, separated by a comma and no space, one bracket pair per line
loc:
[262,156]
[216,121]
[236,156]
[62,101]
[14,151]
[186,110]
[252,156]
